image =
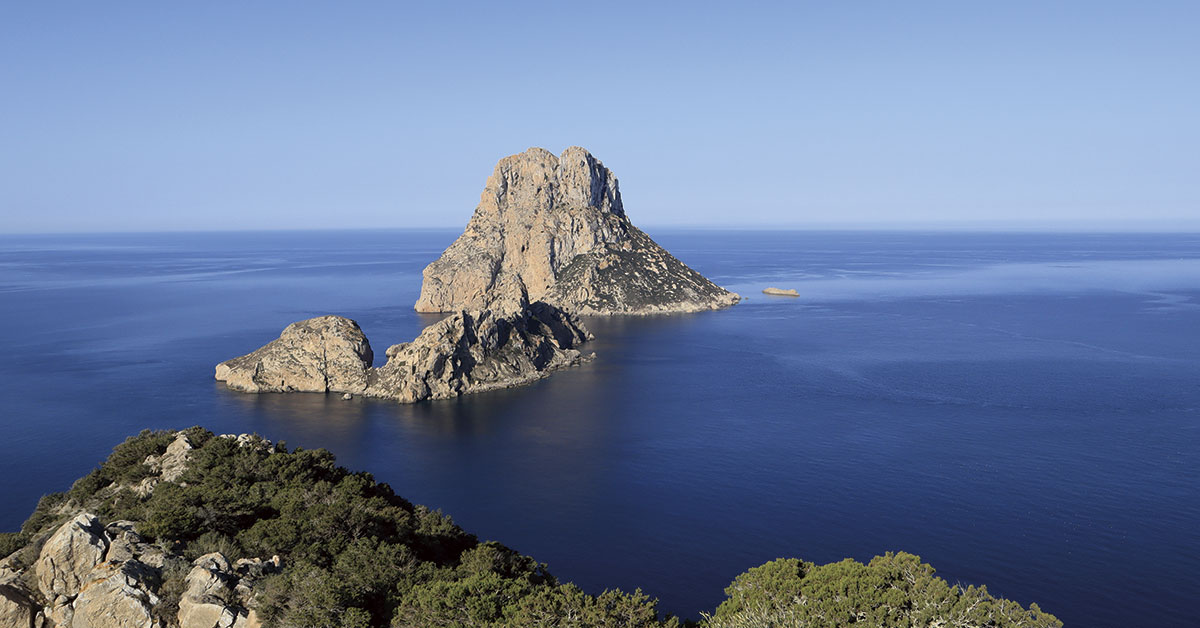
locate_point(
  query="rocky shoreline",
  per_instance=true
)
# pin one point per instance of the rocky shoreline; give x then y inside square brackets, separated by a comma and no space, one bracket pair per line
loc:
[464,353]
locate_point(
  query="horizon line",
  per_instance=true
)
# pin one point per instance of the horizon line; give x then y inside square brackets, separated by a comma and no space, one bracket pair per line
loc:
[981,226]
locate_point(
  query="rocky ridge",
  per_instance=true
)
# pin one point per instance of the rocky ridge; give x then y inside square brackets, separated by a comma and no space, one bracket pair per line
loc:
[467,352]
[554,229]
[90,575]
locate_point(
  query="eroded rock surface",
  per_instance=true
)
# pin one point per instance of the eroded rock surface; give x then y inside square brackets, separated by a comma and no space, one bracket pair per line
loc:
[116,595]
[472,352]
[554,229]
[90,575]
[217,593]
[467,352]
[69,555]
[320,354]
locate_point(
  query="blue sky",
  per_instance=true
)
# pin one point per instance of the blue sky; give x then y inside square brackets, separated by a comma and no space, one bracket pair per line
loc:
[168,116]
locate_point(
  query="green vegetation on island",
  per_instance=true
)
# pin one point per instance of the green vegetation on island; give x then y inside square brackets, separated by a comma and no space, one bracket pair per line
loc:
[354,554]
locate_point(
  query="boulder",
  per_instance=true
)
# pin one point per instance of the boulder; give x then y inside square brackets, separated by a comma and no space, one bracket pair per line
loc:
[327,353]
[554,229]
[208,599]
[126,544]
[69,554]
[116,595]
[172,463]
[17,606]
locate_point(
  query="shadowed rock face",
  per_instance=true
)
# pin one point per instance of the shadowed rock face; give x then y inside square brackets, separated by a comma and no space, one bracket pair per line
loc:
[464,353]
[554,229]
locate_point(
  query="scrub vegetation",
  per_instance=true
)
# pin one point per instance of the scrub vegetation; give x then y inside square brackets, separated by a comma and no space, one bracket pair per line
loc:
[355,554]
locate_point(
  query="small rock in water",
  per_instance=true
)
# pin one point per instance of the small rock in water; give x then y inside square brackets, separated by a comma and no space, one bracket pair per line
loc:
[781,292]
[347,397]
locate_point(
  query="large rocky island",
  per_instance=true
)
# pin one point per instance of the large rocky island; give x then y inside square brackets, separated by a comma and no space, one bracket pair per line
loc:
[554,229]
[192,530]
[549,240]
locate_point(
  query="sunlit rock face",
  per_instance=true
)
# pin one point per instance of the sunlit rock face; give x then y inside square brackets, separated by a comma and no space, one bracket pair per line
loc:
[466,352]
[554,229]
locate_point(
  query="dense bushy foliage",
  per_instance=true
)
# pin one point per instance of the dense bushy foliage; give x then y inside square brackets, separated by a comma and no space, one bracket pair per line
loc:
[354,553]
[893,590]
[357,555]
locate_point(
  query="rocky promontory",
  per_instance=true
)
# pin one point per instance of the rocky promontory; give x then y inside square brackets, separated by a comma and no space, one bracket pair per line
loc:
[554,229]
[193,530]
[467,352]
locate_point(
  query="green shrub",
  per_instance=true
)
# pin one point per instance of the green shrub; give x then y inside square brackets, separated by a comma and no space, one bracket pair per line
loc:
[893,590]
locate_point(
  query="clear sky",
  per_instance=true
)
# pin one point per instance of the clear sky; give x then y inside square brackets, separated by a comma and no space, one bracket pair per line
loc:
[119,116]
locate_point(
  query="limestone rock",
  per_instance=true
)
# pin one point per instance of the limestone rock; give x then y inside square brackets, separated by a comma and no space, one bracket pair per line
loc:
[172,463]
[467,352]
[780,292]
[69,555]
[17,606]
[327,353]
[472,352]
[116,595]
[554,229]
[205,601]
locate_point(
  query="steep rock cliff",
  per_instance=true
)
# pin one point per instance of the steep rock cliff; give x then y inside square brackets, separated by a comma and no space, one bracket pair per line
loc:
[554,229]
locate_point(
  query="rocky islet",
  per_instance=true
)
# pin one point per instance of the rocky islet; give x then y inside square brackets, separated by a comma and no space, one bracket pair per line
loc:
[549,240]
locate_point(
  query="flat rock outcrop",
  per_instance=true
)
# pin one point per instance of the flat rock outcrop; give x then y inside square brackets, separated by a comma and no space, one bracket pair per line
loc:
[467,352]
[320,354]
[780,292]
[554,229]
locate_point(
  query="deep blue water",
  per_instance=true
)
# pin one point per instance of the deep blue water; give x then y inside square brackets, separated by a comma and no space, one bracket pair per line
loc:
[1021,410]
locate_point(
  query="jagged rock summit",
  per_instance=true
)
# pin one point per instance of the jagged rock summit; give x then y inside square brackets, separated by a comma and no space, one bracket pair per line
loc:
[464,353]
[554,229]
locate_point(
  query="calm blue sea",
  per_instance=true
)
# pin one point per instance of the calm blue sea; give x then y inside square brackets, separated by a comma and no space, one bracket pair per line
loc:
[1021,410]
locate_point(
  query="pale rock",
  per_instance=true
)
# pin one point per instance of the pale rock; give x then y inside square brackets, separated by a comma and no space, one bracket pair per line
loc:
[171,464]
[17,606]
[116,595]
[467,352]
[554,229]
[69,554]
[126,544]
[327,353]
[780,292]
[206,601]
[471,352]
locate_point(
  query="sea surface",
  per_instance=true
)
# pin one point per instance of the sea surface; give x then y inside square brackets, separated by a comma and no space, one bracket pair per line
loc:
[1020,410]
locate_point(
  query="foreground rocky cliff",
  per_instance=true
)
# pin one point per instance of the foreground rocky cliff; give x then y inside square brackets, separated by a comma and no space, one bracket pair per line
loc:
[554,229]
[194,530]
[467,352]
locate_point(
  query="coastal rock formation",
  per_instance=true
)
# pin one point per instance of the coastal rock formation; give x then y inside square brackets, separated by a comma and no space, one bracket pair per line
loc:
[212,583]
[472,352]
[554,229]
[17,606]
[467,352]
[780,292]
[69,555]
[90,575]
[315,355]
